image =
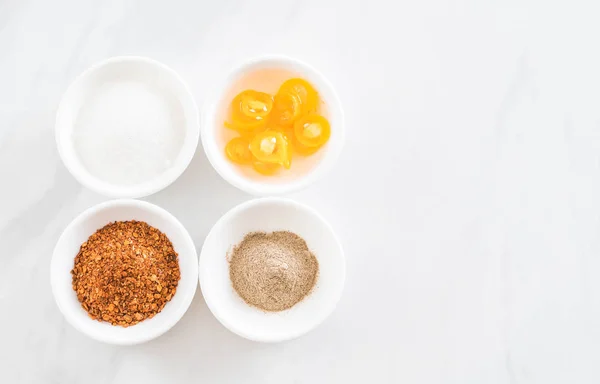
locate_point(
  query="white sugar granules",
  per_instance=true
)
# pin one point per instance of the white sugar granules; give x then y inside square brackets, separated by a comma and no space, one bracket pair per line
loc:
[128,132]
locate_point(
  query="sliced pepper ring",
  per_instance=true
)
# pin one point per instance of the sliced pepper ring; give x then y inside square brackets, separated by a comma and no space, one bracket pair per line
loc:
[287,108]
[271,147]
[238,150]
[305,91]
[312,131]
[252,105]
[250,110]
[266,169]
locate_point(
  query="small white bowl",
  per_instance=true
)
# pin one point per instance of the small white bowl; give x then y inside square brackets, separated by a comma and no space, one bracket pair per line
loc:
[266,74]
[79,230]
[163,85]
[268,215]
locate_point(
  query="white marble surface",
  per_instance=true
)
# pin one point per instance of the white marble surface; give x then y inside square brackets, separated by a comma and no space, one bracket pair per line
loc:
[467,197]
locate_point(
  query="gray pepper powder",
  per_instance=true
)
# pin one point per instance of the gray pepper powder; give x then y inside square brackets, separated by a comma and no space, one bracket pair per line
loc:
[273,271]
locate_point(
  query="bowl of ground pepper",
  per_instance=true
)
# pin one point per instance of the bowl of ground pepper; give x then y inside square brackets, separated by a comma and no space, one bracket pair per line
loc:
[124,272]
[271,269]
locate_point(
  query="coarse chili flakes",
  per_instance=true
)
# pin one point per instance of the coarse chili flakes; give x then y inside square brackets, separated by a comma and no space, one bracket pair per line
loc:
[125,272]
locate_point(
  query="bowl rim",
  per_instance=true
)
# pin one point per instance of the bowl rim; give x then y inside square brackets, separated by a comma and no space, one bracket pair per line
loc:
[210,303]
[108,338]
[255,188]
[149,187]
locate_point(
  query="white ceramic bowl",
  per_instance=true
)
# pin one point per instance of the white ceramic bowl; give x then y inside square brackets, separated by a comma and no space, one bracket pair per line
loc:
[78,232]
[163,85]
[271,214]
[266,74]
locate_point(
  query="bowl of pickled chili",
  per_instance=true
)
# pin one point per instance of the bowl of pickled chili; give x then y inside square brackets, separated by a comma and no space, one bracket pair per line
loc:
[274,126]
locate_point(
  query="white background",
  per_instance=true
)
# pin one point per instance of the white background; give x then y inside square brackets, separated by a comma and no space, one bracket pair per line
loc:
[467,196]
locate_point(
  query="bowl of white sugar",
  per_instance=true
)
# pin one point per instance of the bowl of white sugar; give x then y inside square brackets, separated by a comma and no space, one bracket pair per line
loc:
[127,127]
